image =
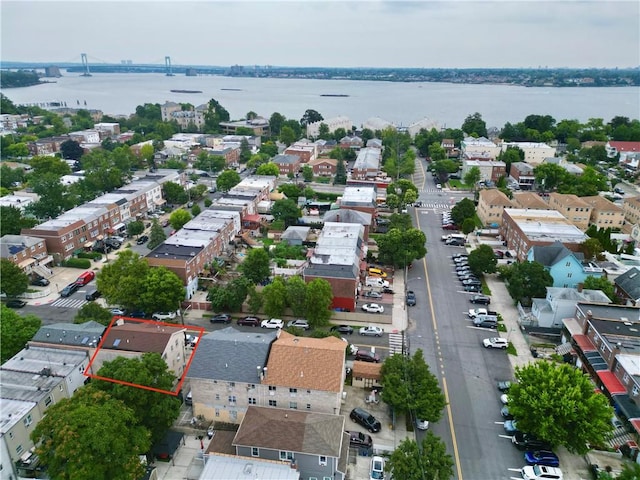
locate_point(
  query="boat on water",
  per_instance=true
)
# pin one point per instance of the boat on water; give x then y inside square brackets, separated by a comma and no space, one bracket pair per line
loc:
[232,89]
[333,95]
[186,91]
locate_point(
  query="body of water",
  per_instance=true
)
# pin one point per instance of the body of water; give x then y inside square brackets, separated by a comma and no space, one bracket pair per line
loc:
[399,103]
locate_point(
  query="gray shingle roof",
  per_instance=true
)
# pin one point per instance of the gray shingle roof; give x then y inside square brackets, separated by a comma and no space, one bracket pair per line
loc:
[549,255]
[629,282]
[82,335]
[231,355]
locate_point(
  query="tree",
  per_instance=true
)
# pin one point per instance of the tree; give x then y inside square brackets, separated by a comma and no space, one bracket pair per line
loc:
[91,435]
[268,169]
[287,135]
[468,226]
[52,165]
[296,295]
[227,180]
[557,403]
[71,150]
[16,330]
[122,280]
[630,471]
[275,123]
[549,175]
[401,221]
[135,228]
[215,114]
[13,221]
[179,218]
[413,461]
[92,311]
[401,247]
[255,300]
[323,131]
[256,265]
[310,116]
[436,152]
[341,173]
[195,210]
[155,411]
[270,149]
[591,248]
[600,283]
[275,295]
[483,260]
[13,281]
[527,280]
[231,296]
[156,236]
[307,173]
[147,152]
[174,193]
[409,386]
[462,210]
[472,177]
[318,302]
[286,210]
[163,291]
[54,196]
[474,125]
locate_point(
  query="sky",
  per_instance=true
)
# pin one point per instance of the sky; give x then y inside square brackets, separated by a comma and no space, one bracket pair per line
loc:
[326,33]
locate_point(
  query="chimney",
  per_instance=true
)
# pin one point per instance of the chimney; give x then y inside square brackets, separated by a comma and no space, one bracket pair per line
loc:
[589,314]
[580,287]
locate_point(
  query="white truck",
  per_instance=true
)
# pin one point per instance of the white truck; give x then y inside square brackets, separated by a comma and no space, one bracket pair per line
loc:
[474,312]
[376,282]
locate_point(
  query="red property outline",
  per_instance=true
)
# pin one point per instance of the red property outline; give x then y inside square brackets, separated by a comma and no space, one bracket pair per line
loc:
[199,330]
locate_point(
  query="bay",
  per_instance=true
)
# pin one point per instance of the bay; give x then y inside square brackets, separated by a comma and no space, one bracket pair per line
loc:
[399,103]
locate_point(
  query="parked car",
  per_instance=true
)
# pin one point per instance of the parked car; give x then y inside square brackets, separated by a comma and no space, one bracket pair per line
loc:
[372,294]
[504,385]
[191,340]
[69,290]
[15,303]
[164,315]
[373,308]
[495,342]
[524,441]
[365,419]
[371,331]
[471,280]
[387,289]
[422,424]
[299,323]
[411,298]
[505,413]
[449,226]
[376,272]
[480,299]
[541,457]
[142,240]
[138,314]
[272,323]
[472,288]
[249,321]
[504,399]
[40,282]
[474,312]
[92,295]
[376,469]
[367,356]
[541,472]
[221,318]
[359,439]
[510,427]
[342,329]
[117,311]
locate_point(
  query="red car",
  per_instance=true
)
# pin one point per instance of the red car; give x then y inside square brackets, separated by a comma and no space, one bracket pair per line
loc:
[249,321]
[450,226]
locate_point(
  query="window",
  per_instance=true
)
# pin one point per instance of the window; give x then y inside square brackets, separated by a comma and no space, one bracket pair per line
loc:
[625,378]
[635,390]
[10,434]
[293,405]
[284,456]
[217,396]
[232,399]
[293,390]
[272,388]
[322,460]
[273,403]
[255,451]
[217,412]
[569,275]
[27,420]
[19,449]
[232,384]
[47,401]
[252,401]
[308,406]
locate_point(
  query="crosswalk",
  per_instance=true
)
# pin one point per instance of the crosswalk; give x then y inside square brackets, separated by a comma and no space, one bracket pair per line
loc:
[445,206]
[68,303]
[395,343]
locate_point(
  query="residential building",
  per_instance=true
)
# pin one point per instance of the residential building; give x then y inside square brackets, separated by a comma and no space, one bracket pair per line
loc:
[175,112]
[306,151]
[218,466]
[534,152]
[47,146]
[226,371]
[627,287]
[529,200]
[560,303]
[631,209]
[259,125]
[336,258]
[490,170]
[289,165]
[624,149]
[295,235]
[325,146]
[324,167]
[85,136]
[522,229]
[315,443]
[231,154]
[363,199]
[570,168]
[522,174]
[376,123]
[107,129]
[491,204]
[83,337]
[604,213]
[574,209]
[482,146]
[423,124]
[568,269]
[374,143]
[29,253]
[17,200]
[313,128]
[367,164]
[351,142]
[348,215]
[449,146]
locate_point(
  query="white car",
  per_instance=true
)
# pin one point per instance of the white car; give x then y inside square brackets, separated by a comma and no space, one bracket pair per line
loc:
[541,472]
[495,342]
[299,323]
[117,311]
[422,424]
[164,315]
[504,398]
[376,471]
[373,308]
[474,312]
[371,331]
[272,323]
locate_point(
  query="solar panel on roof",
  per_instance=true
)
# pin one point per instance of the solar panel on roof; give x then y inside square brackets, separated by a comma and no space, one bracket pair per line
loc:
[116,342]
[85,340]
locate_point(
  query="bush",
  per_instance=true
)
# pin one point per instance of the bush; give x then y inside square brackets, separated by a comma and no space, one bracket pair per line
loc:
[91,255]
[82,263]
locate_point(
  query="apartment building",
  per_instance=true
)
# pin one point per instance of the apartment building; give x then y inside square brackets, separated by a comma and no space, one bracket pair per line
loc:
[313,129]
[175,112]
[631,210]
[534,152]
[575,209]
[324,167]
[28,253]
[367,164]
[522,174]
[491,204]
[604,213]
[288,165]
[85,136]
[490,170]
[529,200]
[47,146]
[482,147]
[306,151]
[259,125]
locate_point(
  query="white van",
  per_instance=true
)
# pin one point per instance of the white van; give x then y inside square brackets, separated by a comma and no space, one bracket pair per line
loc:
[376,282]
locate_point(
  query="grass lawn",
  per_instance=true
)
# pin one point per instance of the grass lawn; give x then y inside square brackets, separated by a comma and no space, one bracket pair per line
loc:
[453,183]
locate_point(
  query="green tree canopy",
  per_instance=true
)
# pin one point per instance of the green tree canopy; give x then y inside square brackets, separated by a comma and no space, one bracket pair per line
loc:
[92,311]
[256,265]
[310,116]
[557,403]
[174,193]
[71,150]
[468,226]
[122,280]
[296,295]
[268,169]
[600,283]
[591,248]
[526,280]
[474,125]
[275,123]
[287,135]
[318,302]
[227,180]
[428,459]
[91,435]
[229,298]
[275,298]
[549,175]
[341,173]
[15,331]
[401,247]
[483,260]
[163,291]
[462,210]
[52,165]
[13,281]
[179,218]
[472,177]
[286,210]
[157,235]
[135,228]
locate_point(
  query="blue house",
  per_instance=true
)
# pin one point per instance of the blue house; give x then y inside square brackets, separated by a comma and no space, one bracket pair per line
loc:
[567,268]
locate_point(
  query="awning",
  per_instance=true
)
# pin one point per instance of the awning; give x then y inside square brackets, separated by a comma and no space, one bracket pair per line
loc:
[611,382]
[635,422]
[585,344]
[26,263]
[119,226]
[88,245]
[252,218]
[564,348]
[596,361]
[160,202]
[627,406]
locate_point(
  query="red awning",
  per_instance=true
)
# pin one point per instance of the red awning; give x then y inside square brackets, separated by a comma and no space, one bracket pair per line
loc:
[584,343]
[611,382]
[252,218]
[636,424]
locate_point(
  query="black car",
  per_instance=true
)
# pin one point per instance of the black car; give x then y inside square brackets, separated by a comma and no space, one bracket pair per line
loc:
[480,299]
[365,419]
[40,282]
[15,303]
[524,441]
[387,290]
[90,296]
[342,329]
[142,240]
[359,439]
[411,298]
[367,356]
[69,290]
[487,324]
[137,314]
[472,288]
[221,318]
[249,321]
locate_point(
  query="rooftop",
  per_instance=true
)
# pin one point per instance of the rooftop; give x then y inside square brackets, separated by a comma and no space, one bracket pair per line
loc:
[139,337]
[231,467]
[12,412]
[47,361]
[86,334]
[359,196]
